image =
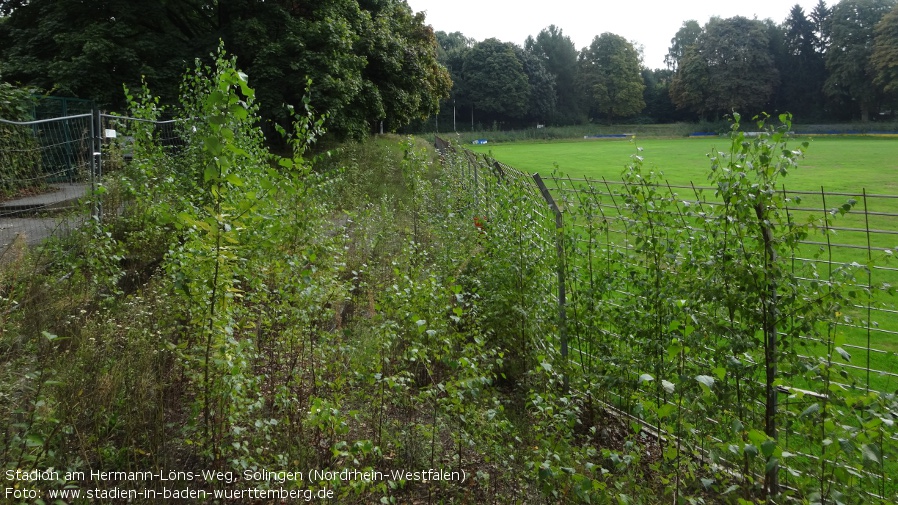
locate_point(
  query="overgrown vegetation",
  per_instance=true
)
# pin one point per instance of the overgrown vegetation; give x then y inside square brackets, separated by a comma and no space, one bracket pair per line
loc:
[377,308]
[19,158]
[235,317]
[689,312]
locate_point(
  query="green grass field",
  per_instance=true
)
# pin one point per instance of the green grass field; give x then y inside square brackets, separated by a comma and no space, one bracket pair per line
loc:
[839,164]
[842,167]
[835,164]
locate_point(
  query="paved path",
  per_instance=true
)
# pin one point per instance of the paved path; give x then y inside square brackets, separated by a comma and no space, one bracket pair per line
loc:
[34,218]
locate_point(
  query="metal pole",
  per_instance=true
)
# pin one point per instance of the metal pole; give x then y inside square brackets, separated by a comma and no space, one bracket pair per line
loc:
[769,299]
[562,296]
[95,162]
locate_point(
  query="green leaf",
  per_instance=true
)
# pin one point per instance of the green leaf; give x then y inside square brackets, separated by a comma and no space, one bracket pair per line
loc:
[213,146]
[844,354]
[668,386]
[34,440]
[768,447]
[757,437]
[871,453]
[674,349]
[645,378]
[846,445]
[210,173]
[49,336]
[234,179]
[705,380]
[737,426]
[812,409]
[666,410]
[771,464]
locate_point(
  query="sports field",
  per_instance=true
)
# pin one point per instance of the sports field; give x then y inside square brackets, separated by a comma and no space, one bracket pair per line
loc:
[839,164]
[844,167]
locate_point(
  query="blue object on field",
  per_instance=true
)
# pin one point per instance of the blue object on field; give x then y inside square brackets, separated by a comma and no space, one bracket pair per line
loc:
[479,141]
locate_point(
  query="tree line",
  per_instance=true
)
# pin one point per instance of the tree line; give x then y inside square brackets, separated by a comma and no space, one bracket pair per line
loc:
[368,60]
[376,65]
[834,63]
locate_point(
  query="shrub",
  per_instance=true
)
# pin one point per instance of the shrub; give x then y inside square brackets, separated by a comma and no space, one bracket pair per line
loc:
[19,157]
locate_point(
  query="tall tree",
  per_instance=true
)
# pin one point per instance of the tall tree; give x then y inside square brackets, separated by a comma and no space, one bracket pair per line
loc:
[800,36]
[685,37]
[406,80]
[264,35]
[728,68]
[369,59]
[658,105]
[802,68]
[542,87]
[611,78]
[885,53]
[821,17]
[91,49]
[495,82]
[451,53]
[559,56]
[851,73]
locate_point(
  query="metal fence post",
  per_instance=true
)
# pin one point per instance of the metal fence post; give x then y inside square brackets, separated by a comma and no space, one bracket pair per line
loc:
[476,184]
[562,295]
[96,163]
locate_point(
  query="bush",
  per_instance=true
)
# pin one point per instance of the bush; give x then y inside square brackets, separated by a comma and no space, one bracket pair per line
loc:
[19,156]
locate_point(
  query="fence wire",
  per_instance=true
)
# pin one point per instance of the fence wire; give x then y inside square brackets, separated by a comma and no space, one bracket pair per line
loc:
[612,284]
[51,168]
[48,168]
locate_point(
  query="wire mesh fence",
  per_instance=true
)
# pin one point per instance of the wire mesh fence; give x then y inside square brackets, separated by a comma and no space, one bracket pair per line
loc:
[48,166]
[51,168]
[53,107]
[667,303]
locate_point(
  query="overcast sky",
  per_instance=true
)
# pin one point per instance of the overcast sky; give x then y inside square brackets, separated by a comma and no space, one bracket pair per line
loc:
[651,23]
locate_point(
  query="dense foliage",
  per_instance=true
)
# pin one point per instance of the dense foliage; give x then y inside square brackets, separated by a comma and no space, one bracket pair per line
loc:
[376,64]
[368,61]
[559,56]
[19,158]
[378,308]
[495,81]
[852,76]
[610,77]
[820,65]
[728,68]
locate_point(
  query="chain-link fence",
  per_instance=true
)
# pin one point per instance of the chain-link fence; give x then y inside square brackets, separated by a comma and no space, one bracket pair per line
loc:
[679,321]
[51,168]
[48,168]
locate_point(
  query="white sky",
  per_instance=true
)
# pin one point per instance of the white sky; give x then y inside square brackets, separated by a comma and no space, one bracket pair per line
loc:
[651,23]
